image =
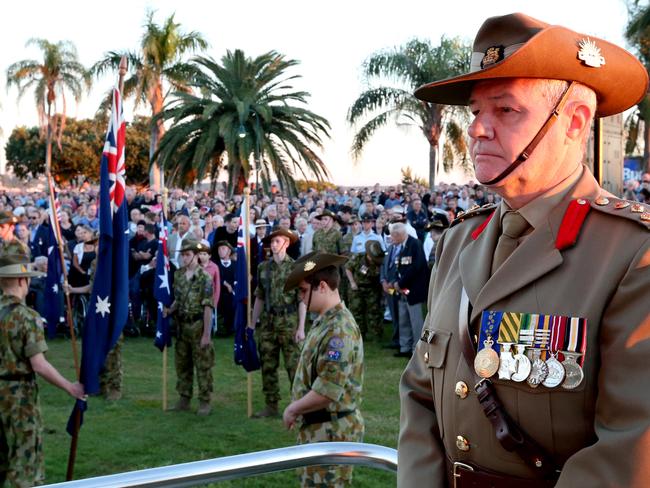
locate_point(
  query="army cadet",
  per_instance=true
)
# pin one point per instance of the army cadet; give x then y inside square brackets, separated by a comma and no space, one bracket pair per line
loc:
[22,348]
[282,325]
[362,271]
[531,369]
[328,238]
[329,380]
[9,244]
[192,309]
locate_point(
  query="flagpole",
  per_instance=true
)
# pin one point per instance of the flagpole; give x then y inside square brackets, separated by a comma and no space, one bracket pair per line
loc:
[77,413]
[164,352]
[246,225]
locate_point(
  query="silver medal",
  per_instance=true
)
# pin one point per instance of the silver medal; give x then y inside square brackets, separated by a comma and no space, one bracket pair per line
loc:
[574,373]
[539,369]
[555,373]
[506,362]
[523,364]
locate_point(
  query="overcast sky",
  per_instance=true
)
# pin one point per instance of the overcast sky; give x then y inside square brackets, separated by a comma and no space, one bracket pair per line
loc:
[330,39]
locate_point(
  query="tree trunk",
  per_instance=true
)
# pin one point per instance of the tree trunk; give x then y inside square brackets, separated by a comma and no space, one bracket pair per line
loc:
[157,131]
[646,147]
[433,161]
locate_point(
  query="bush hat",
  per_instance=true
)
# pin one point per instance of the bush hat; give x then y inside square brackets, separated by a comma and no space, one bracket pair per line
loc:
[375,252]
[519,46]
[327,213]
[18,266]
[309,264]
[281,233]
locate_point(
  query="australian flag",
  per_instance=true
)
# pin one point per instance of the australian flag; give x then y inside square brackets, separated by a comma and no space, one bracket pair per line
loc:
[109,301]
[162,290]
[245,348]
[53,288]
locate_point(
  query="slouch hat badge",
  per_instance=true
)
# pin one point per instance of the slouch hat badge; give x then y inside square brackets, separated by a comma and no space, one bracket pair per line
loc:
[309,265]
[492,55]
[589,53]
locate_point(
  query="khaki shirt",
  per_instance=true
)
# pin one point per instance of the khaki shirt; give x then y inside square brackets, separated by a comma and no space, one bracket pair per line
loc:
[598,432]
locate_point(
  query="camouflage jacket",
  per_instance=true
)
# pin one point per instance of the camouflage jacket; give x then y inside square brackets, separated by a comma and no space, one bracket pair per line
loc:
[22,337]
[347,243]
[271,278]
[329,241]
[331,361]
[14,246]
[364,271]
[192,295]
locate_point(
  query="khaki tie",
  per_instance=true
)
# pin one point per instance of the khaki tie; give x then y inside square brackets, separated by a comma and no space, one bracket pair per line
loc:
[513,226]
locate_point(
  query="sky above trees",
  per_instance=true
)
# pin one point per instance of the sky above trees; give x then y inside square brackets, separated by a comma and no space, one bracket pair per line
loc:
[330,39]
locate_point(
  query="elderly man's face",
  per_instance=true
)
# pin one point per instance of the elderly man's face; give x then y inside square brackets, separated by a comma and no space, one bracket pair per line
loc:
[507,115]
[183,224]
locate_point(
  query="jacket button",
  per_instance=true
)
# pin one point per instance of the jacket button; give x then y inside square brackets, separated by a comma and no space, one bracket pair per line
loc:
[462,444]
[426,357]
[461,389]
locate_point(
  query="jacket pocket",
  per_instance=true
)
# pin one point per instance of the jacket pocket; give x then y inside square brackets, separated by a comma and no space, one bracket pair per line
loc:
[437,344]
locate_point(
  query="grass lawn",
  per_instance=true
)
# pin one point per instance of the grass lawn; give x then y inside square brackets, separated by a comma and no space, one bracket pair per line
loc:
[134,433]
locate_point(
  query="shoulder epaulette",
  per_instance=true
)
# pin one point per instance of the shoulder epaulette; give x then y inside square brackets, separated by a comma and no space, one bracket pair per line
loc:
[635,211]
[473,212]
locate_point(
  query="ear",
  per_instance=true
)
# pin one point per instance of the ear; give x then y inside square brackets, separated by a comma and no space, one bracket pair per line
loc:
[580,117]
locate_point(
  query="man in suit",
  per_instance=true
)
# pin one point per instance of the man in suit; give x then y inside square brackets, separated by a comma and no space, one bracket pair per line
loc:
[38,234]
[531,369]
[176,239]
[410,286]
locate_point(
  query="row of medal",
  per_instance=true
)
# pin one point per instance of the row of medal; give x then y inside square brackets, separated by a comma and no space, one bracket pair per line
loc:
[539,349]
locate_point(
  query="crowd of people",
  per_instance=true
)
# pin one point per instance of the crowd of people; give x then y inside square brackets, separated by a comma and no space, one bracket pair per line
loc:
[360,215]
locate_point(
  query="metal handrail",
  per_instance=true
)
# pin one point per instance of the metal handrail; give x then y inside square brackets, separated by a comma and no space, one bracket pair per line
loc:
[244,465]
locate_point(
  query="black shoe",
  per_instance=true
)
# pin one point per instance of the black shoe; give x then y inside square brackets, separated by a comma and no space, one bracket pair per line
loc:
[390,346]
[402,354]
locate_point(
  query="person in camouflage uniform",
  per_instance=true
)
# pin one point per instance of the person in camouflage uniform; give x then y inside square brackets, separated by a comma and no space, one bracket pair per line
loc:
[192,307]
[328,238]
[362,271]
[110,378]
[329,380]
[354,228]
[282,325]
[22,344]
[9,244]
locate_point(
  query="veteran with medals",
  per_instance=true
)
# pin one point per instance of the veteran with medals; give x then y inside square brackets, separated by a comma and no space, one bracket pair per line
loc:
[532,365]
[326,393]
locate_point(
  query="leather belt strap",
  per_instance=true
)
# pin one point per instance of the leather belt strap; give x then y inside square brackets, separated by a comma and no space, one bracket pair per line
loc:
[525,154]
[26,377]
[322,416]
[509,434]
[462,475]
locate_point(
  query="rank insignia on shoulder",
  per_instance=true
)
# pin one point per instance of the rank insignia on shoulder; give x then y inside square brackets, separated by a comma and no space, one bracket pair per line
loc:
[635,211]
[473,212]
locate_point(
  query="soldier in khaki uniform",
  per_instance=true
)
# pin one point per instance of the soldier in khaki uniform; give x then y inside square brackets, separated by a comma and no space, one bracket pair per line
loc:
[362,271]
[192,308]
[282,325]
[551,287]
[8,242]
[329,379]
[22,348]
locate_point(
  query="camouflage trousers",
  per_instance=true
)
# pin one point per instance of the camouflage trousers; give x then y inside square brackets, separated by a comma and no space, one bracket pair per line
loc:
[190,355]
[276,335]
[365,305]
[347,429]
[111,377]
[21,437]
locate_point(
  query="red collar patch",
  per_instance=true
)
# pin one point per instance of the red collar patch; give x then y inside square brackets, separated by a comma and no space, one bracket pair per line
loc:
[481,228]
[574,217]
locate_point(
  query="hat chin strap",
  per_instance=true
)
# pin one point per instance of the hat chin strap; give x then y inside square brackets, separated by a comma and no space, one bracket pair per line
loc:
[525,154]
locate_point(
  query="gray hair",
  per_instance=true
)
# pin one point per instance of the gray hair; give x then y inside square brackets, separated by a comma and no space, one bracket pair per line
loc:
[397,228]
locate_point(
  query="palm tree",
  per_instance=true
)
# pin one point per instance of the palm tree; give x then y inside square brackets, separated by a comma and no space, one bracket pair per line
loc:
[58,72]
[637,33]
[247,112]
[159,61]
[410,66]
